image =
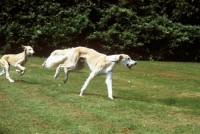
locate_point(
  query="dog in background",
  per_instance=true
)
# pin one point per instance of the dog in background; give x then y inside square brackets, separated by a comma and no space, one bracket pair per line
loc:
[15,60]
[98,63]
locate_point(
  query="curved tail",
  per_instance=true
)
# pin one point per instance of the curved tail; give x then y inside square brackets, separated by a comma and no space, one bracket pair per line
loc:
[53,62]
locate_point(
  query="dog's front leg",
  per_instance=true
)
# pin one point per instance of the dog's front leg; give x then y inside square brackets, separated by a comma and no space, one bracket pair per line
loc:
[92,75]
[109,84]
[22,69]
[7,68]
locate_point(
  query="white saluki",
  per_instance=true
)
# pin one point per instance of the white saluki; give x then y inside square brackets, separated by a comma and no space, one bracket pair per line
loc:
[98,63]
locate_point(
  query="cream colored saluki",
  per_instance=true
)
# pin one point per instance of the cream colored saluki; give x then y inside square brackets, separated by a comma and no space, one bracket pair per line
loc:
[16,60]
[98,63]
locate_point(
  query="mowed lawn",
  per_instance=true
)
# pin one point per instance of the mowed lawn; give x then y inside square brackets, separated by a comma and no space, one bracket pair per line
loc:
[150,98]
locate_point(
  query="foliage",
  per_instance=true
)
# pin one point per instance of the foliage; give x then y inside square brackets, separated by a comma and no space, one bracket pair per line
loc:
[153,29]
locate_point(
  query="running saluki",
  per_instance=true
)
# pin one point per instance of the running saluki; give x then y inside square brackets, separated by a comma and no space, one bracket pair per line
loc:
[98,63]
[16,60]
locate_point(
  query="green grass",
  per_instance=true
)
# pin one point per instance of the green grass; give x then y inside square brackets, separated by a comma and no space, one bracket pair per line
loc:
[151,98]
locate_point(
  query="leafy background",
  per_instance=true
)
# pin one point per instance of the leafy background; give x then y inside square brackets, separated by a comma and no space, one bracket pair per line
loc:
[146,30]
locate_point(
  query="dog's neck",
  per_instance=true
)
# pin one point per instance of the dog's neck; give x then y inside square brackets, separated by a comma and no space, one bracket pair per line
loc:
[25,54]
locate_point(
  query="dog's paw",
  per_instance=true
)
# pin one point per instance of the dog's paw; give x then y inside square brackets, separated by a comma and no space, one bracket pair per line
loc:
[64,81]
[80,95]
[55,76]
[22,72]
[110,97]
[11,81]
[17,70]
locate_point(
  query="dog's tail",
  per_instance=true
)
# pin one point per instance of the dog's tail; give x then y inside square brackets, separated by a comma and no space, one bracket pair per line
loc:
[53,62]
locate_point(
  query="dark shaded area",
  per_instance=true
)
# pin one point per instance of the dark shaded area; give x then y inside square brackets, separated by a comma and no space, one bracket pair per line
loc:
[146,30]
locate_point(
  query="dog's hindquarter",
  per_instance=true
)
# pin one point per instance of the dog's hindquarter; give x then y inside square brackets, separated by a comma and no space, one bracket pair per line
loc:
[59,52]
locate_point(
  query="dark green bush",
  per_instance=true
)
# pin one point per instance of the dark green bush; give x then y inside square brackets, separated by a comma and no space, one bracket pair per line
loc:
[150,30]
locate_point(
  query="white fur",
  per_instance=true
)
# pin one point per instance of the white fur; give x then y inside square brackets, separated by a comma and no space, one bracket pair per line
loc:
[98,63]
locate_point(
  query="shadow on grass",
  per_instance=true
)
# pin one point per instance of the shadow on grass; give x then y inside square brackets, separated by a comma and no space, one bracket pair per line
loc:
[27,82]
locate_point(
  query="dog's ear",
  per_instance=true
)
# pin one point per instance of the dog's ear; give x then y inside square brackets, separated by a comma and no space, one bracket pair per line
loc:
[119,58]
[23,46]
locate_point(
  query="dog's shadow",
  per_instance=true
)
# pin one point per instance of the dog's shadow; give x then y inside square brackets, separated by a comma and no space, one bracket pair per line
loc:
[26,82]
[77,93]
[86,94]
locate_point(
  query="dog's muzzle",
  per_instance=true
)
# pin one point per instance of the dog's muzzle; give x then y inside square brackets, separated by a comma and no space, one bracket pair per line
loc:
[130,65]
[30,54]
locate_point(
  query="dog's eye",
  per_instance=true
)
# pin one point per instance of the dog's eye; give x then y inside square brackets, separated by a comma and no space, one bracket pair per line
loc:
[129,58]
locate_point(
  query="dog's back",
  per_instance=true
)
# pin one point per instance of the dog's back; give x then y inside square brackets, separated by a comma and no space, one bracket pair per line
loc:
[12,59]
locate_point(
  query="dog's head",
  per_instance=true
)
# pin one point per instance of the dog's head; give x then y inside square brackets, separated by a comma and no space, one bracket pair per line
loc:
[29,50]
[125,60]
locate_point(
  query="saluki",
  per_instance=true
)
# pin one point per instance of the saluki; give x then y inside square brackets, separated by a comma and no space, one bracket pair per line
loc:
[16,60]
[98,63]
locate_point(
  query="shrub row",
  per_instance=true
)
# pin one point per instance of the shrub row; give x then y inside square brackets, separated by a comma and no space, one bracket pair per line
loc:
[149,30]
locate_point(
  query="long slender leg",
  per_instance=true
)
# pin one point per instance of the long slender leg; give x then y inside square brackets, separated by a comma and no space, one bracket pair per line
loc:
[21,68]
[44,63]
[109,84]
[66,69]
[2,64]
[66,75]
[3,71]
[57,71]
[17,70]
[7,68]
[91,76]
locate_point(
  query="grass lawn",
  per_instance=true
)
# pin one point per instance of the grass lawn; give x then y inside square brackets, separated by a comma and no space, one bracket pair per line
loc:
[151,98]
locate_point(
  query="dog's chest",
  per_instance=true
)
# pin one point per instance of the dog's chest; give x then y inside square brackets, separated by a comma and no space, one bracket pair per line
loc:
[22,60]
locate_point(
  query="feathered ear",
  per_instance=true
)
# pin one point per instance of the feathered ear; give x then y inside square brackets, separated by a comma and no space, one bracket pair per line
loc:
[118,58]
[23,47]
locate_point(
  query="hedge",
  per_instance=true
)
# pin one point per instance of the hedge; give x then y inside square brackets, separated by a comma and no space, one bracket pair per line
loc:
[146,30]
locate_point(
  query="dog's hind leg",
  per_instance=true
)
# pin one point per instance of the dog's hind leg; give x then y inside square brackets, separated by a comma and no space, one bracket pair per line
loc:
[7,68]
[66,75]
[92,75]
[58,70]
[67,68]
[44,63]
[3,71]
[109,84]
